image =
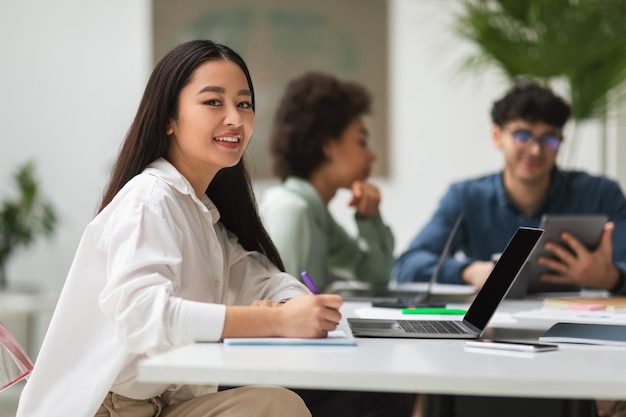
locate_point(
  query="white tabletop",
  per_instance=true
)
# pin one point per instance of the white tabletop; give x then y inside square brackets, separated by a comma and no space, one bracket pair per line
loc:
[425,366]
[16,303]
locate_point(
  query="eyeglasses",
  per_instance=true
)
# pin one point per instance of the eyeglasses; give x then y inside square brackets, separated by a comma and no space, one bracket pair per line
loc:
[524,137]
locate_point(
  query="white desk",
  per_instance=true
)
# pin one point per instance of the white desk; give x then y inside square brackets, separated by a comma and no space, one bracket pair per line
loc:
[424,366]
[28,306]
[24,303]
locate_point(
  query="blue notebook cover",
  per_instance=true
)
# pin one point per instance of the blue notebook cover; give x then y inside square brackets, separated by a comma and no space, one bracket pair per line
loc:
[587,333]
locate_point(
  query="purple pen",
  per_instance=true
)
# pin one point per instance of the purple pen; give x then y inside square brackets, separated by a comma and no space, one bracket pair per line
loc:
[309,282]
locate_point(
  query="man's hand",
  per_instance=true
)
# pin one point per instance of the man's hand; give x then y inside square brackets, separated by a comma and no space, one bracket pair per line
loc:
[477,273]
[365,198]
[582,267]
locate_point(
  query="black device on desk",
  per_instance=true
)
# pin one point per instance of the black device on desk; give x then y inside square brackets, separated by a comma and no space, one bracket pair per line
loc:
[425,299]
[405,303]
[586,333]
[511,345]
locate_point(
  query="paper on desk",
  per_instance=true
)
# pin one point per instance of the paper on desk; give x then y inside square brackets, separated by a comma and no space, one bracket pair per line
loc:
[335,338]
[572,316]
[396,314]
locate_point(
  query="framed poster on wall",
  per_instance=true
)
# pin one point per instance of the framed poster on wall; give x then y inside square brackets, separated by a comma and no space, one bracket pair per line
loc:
[282,39]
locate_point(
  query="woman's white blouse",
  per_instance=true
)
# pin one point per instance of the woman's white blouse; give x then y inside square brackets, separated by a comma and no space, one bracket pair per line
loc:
[154,270]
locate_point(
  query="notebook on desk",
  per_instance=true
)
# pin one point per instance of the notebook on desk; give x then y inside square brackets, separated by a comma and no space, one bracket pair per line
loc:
[480,312]
[614,303]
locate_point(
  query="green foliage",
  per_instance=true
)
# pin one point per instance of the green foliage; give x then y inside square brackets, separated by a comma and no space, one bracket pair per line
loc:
[24,216]
[581,41]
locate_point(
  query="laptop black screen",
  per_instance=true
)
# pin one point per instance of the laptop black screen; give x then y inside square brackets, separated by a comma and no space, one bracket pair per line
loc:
[502,276]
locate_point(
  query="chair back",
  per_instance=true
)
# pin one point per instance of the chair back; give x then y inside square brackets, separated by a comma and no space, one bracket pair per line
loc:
[14,362]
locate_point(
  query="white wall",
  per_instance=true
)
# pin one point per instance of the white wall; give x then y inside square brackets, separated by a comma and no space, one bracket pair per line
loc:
[71,75]
[72,72]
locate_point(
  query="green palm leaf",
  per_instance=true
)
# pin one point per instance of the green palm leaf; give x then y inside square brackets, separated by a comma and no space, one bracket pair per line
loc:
[580,41]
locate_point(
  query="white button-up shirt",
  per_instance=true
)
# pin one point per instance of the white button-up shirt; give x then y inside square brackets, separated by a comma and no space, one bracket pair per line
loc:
[153,270]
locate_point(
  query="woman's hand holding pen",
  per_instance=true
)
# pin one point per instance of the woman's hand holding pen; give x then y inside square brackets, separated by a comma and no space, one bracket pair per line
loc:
[309,315]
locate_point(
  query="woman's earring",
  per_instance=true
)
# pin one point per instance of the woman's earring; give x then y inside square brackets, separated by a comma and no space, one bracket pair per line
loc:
[169,131]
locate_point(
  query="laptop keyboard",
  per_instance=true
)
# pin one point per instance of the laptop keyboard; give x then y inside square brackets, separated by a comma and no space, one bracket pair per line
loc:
[433,326]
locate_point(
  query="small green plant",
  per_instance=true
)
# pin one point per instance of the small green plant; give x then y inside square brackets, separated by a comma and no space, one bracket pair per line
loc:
[23,216]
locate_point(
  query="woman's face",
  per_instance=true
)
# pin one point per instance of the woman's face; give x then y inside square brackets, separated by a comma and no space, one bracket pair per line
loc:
[349,155]
[215,121]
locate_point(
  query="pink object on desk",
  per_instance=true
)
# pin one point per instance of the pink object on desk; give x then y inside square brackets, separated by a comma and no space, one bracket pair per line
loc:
[586,307]
[14,362]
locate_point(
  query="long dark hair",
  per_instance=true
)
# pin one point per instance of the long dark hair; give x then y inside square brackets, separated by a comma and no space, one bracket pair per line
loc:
[146,141]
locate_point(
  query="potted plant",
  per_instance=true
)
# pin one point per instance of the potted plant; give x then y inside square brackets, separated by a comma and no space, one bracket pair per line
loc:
[581,43]
[23,217]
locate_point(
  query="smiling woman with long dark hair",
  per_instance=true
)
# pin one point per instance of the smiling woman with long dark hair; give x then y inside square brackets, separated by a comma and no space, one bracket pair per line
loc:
[176,254]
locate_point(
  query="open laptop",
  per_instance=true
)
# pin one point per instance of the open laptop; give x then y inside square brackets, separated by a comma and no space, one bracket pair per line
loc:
[424,299]
[480,312]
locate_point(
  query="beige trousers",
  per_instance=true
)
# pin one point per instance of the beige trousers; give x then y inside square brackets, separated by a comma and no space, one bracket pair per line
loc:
[255,401]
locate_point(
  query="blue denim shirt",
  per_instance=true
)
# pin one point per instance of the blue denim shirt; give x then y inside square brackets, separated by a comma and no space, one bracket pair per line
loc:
[490,219]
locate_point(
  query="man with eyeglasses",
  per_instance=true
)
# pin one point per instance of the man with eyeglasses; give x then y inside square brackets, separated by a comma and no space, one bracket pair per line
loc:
[528,128]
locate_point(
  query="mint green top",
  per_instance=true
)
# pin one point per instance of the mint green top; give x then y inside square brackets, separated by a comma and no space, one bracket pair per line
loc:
[309,239]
